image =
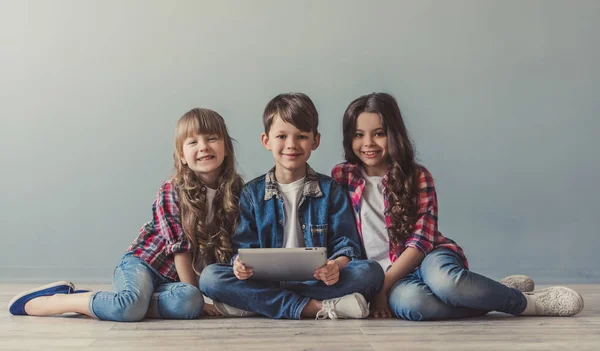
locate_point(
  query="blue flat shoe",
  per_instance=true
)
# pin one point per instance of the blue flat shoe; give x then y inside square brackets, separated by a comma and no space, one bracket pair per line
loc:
[79,291]
[16,306]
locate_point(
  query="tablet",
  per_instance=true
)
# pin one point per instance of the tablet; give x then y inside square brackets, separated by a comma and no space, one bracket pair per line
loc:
[284,263]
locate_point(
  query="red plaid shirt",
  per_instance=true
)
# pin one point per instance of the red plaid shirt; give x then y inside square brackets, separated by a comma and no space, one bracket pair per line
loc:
[162,237]
[425,236]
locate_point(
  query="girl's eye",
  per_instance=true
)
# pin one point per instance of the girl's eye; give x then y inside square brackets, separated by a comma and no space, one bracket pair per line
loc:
[192,142]
[358,135]
[379,134]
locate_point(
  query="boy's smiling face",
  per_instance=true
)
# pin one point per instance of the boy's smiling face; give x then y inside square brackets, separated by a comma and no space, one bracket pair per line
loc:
[291,149]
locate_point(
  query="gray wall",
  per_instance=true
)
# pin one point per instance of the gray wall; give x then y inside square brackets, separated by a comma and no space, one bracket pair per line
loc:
[501,98]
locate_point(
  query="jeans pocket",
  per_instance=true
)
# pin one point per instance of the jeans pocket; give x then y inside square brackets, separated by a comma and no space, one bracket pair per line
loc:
[319,235]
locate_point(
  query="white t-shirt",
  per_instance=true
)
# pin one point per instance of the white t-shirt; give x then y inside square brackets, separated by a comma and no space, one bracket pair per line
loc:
[375,236]
[292,234]
[210,197]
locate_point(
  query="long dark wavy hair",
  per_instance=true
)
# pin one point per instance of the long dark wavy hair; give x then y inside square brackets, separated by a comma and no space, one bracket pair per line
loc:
[211,242]
[403,173]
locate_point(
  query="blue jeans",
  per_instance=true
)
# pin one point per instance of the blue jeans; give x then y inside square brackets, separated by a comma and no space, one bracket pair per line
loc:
[287,299]
[140,291]
[442,288]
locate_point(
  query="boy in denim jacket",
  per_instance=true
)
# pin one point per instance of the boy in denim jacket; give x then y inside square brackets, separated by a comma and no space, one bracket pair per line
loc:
[293,206]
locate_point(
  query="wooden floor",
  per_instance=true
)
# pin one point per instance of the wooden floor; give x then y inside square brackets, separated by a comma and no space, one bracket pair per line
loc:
[493,332]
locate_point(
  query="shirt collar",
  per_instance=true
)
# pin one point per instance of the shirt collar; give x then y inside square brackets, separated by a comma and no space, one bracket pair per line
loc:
[311,184]
[356,171]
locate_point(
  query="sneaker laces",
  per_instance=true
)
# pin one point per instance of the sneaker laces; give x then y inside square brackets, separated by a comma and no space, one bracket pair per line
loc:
[328,310]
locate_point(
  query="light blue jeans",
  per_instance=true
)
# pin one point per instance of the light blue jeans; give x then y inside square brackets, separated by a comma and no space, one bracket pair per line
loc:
[140,291]
[287,299]
[442,288]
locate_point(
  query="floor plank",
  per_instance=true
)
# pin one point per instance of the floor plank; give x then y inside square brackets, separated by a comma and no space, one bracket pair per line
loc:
[496,331]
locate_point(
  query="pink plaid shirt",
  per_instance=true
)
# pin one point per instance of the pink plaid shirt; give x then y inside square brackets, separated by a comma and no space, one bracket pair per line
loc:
[162,237]
[425,236]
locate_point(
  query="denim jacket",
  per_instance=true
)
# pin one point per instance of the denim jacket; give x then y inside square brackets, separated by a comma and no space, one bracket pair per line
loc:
[324,212]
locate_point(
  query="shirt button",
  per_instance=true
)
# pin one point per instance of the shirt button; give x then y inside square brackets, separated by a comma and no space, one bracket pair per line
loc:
[280,221]
[303,227]
[203,188]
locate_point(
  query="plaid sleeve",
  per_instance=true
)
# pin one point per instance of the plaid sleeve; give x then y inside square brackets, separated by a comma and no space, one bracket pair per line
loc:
[426,228]
[167,220]
[337,173]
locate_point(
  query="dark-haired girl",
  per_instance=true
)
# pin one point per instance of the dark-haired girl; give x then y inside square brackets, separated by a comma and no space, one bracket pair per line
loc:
[396,211]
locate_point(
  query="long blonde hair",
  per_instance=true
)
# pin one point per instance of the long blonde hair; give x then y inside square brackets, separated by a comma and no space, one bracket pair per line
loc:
[211,242]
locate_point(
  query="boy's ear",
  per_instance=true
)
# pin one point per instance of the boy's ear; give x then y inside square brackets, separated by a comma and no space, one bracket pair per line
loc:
[264,138]
[317,141]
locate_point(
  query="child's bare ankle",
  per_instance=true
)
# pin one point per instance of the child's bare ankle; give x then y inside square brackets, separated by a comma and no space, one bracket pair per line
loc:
[312,307]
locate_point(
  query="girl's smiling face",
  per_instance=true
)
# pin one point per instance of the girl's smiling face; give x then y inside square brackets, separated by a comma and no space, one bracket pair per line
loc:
[204,154]
[370,144]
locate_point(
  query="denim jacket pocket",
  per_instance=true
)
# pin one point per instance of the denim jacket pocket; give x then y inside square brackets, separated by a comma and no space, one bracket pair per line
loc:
[319,235]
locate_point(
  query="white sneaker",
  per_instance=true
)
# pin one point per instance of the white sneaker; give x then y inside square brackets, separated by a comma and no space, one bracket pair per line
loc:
[230,311]
[350,306]
[522,283]
[555,301]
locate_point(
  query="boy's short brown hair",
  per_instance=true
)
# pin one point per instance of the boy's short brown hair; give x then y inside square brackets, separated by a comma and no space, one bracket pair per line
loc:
[294,108]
